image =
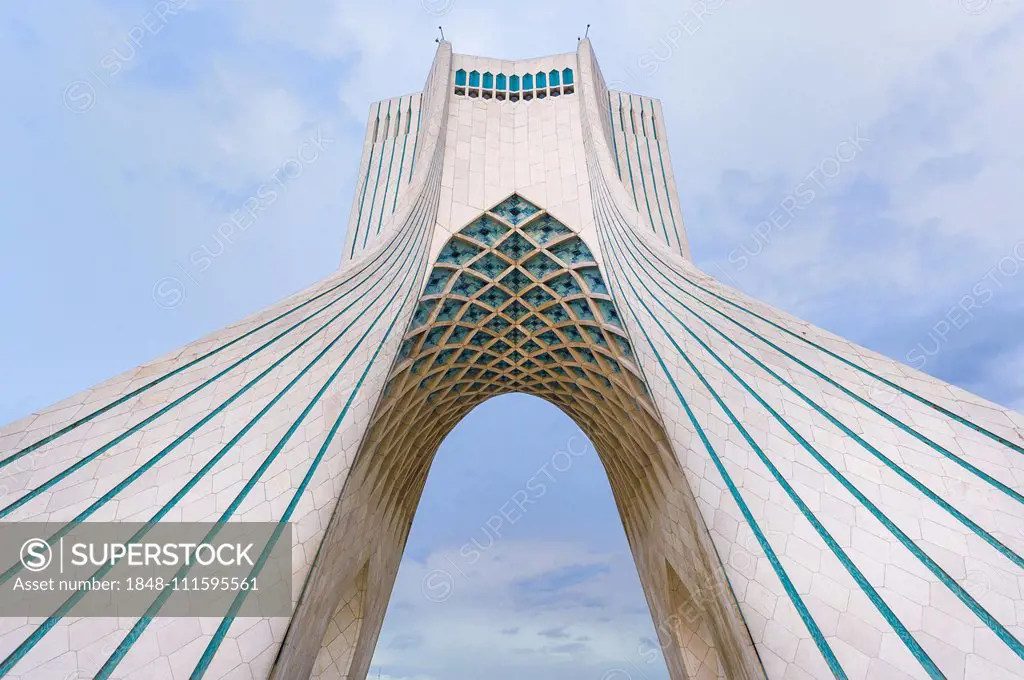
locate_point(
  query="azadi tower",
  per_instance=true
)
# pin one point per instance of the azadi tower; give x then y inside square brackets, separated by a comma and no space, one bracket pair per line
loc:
[797,506]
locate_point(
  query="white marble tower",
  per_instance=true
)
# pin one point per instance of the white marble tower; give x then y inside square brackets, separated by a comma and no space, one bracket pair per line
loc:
[797,506]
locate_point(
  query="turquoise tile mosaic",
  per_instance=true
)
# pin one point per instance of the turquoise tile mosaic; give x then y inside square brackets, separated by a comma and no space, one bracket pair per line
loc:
[490,265]
[515,209]
[485,230]
[540,265]
[515,281]
[468,285]
[545,229]
[572,251]
[457,252]
[515,247]
[438,280]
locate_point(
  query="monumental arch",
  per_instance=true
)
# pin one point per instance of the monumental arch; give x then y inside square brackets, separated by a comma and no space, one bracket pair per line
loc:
[797,506]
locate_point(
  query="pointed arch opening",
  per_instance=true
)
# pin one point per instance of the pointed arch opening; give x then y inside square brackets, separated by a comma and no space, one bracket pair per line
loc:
[516,558]
[516,302]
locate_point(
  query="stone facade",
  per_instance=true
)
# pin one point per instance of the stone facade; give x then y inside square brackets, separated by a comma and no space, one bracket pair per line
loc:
[797,506]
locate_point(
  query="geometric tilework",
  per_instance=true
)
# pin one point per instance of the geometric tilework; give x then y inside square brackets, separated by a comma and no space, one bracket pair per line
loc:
[531,318]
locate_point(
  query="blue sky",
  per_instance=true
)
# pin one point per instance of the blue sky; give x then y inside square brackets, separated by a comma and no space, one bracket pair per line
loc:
[130,136]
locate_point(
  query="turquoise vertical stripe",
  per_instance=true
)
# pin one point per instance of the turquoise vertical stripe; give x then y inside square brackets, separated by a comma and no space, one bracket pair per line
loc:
[909,641]
[401,163]
[387,182]
[654,184]
[615,143]
[236,605]
[416,142]
[109,495]
[640,165]
[422,209]
[422,215]
[892,465]
[376,184]
[1012,642]
[625,147]
[366,183]
[82,462]
[668,192]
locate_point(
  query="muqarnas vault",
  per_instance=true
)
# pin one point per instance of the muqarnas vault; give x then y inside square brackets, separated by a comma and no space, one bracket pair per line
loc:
[797,506]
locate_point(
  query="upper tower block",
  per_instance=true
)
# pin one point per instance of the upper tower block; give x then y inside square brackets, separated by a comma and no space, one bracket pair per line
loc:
[537,127]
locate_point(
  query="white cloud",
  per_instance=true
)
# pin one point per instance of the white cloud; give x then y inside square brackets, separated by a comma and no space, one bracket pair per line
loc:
[917,218]
[523,606]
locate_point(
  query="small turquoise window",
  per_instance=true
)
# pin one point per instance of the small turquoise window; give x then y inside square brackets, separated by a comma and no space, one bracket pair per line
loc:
[501,81]
[460,78]
[513,83]
[474,78]
[542,79]
[554,77]
[489,80]
[528,81]
[567,76]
